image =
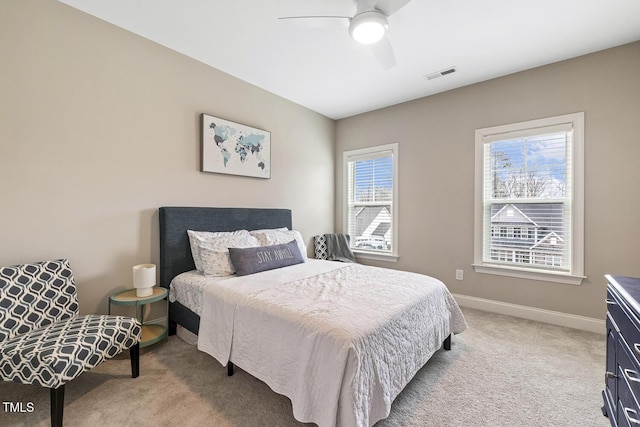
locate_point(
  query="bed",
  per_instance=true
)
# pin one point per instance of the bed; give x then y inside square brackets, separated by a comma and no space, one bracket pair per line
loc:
[294,327]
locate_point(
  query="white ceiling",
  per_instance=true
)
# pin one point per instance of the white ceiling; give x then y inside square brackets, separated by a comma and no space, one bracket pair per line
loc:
[325,70]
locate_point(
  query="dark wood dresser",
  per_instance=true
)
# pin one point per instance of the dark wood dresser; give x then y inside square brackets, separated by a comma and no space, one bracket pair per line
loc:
[622,378]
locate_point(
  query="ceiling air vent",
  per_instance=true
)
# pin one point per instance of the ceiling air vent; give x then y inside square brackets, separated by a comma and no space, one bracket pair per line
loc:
[440,73]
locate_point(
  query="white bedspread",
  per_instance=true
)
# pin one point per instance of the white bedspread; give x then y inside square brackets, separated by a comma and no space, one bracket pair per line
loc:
[340,340]
[187,289]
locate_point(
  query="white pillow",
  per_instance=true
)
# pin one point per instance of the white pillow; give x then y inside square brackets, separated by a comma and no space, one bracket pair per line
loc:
[269,229]
[214,253]
[279,236]
[198,238]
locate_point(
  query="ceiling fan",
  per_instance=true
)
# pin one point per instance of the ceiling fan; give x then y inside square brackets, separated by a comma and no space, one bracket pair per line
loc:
[368,26]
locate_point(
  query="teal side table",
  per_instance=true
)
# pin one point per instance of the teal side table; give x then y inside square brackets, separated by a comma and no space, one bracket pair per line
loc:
[151,332]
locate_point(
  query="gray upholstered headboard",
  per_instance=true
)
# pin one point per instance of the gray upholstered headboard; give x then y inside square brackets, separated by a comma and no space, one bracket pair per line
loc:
[175,252]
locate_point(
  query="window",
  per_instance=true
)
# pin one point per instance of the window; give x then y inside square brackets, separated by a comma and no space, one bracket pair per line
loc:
[530,182]
[370,192]
[516,233]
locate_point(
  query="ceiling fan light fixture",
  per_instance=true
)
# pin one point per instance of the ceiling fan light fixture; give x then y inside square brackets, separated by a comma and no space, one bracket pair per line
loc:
[368,27]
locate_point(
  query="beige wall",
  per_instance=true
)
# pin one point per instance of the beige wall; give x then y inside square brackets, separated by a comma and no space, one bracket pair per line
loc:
[100,127]
[436,167]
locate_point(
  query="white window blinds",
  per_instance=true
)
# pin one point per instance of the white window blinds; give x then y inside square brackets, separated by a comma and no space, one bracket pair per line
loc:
[527,202]
[528,197]
[370,193]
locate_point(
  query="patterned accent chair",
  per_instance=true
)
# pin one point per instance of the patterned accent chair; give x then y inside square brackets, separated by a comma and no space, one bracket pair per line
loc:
[43,340]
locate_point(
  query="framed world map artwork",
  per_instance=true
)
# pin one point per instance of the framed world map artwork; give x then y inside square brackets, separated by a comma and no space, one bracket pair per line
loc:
[235,149]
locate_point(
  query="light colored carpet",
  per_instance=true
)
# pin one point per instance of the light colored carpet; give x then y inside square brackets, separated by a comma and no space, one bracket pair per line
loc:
[502,371]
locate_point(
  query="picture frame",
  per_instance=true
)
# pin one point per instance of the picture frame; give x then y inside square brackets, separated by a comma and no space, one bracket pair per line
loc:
[235,149]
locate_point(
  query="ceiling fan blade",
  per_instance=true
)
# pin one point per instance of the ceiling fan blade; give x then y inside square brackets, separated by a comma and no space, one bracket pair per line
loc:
[389,7]
[383,52]
[317,21]
[365,5]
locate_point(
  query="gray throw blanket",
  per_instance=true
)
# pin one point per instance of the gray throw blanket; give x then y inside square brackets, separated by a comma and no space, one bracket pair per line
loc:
[338,248]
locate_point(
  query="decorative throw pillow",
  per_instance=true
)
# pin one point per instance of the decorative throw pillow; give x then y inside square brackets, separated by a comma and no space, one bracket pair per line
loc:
[213,252]
[276,236]
[216,262]
[263,258]
[199,238]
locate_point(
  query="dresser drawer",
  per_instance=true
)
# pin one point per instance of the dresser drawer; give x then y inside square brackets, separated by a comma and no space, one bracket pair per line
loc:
[627,323]
[628,372]
[627,417]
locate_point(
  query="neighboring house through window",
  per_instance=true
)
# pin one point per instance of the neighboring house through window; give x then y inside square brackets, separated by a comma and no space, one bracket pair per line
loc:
[529,210]
[370,204]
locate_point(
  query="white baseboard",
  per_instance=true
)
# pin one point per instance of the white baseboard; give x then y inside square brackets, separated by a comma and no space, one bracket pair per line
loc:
[531,313]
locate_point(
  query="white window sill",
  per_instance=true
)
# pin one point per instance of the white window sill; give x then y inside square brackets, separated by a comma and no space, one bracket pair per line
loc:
[376,256]
[533,274]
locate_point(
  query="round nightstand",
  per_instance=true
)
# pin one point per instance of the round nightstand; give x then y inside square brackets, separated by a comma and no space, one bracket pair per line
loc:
[151,332]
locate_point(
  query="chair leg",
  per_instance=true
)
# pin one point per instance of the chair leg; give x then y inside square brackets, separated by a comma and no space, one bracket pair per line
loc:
[134,352]
[57,405]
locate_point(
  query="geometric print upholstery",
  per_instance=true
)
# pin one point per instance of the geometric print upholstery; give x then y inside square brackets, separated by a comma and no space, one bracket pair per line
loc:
[43,341]
[57,353]
[320,247]
[35,295]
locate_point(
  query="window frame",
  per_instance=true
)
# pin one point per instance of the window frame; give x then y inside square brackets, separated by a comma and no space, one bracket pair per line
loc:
[369,151]
[575,275]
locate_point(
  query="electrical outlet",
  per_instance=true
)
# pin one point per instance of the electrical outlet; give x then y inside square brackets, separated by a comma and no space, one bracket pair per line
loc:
[459,274]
